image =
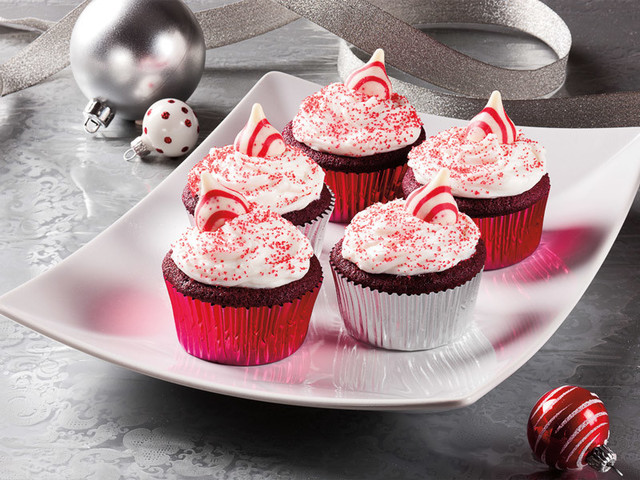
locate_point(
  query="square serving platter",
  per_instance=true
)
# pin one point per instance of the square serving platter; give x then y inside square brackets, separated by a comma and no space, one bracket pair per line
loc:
[108,299]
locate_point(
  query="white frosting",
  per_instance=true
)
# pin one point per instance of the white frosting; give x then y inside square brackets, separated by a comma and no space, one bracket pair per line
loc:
[341,121]
[386,238]
[484,169]
[259,249]
[285,183]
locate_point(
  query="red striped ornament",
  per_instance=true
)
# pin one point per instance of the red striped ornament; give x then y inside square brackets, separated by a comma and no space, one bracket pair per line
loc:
[371,79]
[492,119]
[568,429]
[217,204]
[259,138]
[434,202]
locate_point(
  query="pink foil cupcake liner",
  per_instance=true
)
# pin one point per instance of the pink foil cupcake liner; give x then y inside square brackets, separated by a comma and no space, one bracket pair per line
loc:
[405,322]
[512,238]
[315,229]
[241,335]
[356,191]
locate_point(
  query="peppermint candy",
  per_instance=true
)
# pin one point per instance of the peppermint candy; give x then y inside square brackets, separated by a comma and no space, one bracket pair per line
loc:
[217,204]
[434,202]
[371,79]
[259,138]
[492,119]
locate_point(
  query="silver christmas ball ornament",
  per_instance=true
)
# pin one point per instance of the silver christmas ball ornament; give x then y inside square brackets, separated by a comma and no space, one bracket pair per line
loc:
[127,54]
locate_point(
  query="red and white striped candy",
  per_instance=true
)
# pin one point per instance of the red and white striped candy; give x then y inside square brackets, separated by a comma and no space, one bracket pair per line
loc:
[565,425]
[259,138]
[371,79]
[492,119]
[434,202]
[217,204]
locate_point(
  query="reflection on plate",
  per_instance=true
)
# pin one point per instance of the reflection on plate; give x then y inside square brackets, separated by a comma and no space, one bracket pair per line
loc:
[108,298]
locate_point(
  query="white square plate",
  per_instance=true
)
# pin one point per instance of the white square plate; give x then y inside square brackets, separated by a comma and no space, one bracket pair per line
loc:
[108,299]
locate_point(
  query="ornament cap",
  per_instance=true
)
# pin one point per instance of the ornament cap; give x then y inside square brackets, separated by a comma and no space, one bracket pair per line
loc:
[602,459]
[98,114]
[138,148]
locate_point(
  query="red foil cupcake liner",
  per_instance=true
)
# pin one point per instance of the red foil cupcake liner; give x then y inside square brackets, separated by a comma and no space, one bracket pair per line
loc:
[241,335]
[356,191]
[512,238]
[406,322]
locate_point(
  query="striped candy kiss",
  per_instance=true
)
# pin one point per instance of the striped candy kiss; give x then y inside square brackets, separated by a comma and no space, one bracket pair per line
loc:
[492,119]
[217,204]
[568,428]
[434,202]
[371,79]
[259,138]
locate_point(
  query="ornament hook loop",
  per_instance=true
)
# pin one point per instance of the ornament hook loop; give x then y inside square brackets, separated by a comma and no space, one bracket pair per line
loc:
[97,114]
[129,155]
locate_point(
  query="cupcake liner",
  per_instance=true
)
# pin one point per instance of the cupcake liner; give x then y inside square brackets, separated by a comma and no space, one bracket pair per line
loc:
[512,238]
[241,335]
[315,229]
[405,322]
[356,191]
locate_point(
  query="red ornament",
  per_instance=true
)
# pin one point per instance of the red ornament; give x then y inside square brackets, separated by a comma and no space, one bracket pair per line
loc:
[568,428]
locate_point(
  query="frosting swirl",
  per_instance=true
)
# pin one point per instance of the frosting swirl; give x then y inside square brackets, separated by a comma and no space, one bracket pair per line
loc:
[342,121]
[387,238]
[258,249]
[480,169]
[285,183]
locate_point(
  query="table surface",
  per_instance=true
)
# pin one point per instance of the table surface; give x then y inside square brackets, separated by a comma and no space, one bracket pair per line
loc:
[66,414]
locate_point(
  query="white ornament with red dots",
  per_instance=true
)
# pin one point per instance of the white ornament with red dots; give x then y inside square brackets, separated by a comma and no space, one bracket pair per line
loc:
[169,127]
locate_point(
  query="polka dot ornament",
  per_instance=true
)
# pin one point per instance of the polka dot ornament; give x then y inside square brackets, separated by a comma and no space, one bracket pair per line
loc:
[169,127]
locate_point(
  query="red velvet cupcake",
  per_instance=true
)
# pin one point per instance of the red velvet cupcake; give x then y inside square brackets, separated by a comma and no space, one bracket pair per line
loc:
[265,170]
[407,273]
[242,281]
[498,177]
[360,133]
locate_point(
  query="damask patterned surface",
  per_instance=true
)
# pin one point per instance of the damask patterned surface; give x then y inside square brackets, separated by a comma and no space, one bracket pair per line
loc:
[64,414]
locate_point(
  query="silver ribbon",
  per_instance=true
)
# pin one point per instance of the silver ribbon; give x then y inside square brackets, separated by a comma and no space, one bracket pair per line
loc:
[408,49]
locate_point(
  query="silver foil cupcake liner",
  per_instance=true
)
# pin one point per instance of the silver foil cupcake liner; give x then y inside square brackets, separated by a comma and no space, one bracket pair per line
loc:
[405,322]
[315,229]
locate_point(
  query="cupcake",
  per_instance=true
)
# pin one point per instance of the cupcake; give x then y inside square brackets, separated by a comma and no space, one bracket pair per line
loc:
[360,133]
[407,272]
[267,171]
[498,178]
[242,281]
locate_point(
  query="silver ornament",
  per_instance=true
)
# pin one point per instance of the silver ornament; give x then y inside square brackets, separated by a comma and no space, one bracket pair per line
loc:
[127,54]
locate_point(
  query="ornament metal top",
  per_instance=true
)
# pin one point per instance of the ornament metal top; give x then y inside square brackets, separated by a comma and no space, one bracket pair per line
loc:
[127,54]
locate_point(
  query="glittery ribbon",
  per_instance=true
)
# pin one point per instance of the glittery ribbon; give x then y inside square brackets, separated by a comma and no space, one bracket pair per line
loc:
[371,24]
